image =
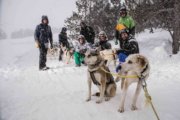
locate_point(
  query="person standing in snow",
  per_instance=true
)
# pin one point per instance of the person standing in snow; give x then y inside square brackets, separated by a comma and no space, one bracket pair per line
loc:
[127,21]
[87,32]
[63,41]
[80,48]
[103,43]
[129,46]
[43,35]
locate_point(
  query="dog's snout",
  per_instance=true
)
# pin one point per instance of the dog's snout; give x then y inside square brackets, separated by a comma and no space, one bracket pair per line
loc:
[123,66]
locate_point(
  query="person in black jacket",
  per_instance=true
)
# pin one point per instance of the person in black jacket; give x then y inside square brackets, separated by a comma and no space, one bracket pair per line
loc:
[63,41]
[43,36]
[103,43]
[128,46]
[88,32]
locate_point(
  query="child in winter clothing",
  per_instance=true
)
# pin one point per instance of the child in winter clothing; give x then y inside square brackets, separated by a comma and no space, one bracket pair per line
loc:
[80,48]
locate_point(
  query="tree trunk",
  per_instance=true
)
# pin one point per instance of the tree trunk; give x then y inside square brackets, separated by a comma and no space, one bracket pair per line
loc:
[176,28]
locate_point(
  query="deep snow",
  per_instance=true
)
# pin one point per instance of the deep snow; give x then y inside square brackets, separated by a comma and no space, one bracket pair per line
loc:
[60,93]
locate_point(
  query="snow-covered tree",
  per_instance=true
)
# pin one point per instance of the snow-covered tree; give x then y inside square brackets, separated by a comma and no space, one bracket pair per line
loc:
[100,14]
[72,23]
[157,14]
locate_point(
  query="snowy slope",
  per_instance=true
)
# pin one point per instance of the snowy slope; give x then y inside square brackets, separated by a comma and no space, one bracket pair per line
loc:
[60,93]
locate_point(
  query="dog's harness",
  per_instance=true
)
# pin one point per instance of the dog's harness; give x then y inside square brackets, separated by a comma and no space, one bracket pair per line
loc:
[93,71]
[144,69]
[93,78]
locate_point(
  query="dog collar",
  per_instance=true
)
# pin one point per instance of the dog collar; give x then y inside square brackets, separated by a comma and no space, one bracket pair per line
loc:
[92,68]
[141,75]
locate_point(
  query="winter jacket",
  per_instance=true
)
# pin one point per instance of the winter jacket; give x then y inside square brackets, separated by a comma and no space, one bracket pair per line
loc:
[129,23]
[63,39]
[129,46]
[82,48]
[43,34]
[103,45]
[88,33]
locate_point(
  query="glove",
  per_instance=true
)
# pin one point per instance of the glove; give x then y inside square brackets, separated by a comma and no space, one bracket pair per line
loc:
[37,44]
[116,42]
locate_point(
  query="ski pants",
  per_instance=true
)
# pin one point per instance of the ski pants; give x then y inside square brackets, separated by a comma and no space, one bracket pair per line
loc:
[79,58]
[42,56]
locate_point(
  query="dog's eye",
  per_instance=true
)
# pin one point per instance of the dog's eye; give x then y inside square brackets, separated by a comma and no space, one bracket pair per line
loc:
[130,62]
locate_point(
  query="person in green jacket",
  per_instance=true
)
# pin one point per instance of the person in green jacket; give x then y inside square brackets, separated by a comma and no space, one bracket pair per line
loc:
[127,21]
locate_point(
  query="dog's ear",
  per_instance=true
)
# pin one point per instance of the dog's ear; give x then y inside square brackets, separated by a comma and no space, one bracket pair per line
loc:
[141,60]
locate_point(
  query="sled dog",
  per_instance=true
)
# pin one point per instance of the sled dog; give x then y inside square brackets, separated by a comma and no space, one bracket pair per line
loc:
[109,56]
[53,53]
[135,65]
[68,53]
[104,81]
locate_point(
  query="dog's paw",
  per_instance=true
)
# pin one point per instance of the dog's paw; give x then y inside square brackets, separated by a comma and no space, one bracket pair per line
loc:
[133,107]
[99,101]
[121,110]
[88,99]
[107,98]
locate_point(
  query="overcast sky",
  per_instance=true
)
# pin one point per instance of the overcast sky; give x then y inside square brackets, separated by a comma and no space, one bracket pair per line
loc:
[17,14]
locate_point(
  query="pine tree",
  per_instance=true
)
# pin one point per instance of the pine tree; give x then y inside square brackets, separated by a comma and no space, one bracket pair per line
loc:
[100,14]
[157,14]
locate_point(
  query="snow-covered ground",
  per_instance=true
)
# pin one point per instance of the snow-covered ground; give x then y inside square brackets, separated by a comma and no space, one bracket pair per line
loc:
[60,93]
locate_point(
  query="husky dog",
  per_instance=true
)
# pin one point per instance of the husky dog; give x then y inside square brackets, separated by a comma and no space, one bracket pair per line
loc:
[109,55]
[104,81]
[135,65]
[53,53]
[68,53]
